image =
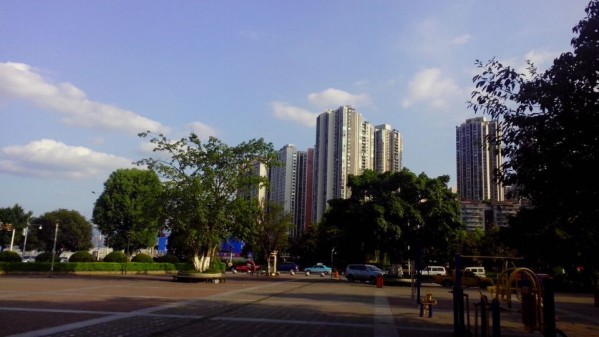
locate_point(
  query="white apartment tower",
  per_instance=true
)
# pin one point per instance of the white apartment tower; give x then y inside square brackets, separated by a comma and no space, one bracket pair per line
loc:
[388,145]
[477,158]
[344,146]
[290,185]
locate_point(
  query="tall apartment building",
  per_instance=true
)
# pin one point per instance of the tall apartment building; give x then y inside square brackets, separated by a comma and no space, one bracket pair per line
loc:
[344,146]
[388,145]
[291,185]
[477,158]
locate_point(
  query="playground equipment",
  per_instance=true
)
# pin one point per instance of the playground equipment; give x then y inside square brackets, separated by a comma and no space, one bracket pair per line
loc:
[536,299]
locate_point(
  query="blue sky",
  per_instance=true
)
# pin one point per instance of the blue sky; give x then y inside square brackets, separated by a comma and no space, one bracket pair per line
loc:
[80,79]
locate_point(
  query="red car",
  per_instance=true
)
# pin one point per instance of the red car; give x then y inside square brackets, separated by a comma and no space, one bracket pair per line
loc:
[248,267]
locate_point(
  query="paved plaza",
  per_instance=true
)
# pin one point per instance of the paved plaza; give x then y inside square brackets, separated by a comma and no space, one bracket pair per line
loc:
[283,306]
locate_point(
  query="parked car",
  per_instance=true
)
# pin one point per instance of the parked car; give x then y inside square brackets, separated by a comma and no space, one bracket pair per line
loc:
[478,271]
[28,258]
[434,270]
[245,268]
[362,272]
[318,268]
[288,266]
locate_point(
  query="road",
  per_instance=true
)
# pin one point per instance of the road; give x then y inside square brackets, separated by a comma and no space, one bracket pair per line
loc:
[283,306]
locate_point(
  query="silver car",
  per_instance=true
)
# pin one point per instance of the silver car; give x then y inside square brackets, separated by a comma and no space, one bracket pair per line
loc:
[362,272]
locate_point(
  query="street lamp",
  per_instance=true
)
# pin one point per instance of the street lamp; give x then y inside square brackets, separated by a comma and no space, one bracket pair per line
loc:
[54,247]
[25,240]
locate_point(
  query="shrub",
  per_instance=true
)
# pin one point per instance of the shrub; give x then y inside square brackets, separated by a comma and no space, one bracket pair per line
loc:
[216,266]
[9,256]
[143,258]
[81,256]
[115,256]
[46,257]
[168,258]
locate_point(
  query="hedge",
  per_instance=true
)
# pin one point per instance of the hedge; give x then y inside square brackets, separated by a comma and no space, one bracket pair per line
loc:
[71,267]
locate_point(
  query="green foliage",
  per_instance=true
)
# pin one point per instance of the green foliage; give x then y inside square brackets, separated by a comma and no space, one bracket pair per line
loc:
[46,257]
[549,136]
[94,267]
[9,256]
[270,230]
[143,258]
[18,218]
[167,258]
[216,266]
[71,230]
[207,189]
[81,256]
[115,256]
[389,212]
[128,212]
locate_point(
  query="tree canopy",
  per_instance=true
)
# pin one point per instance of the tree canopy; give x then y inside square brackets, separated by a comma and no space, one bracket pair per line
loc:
[128,212]
[389,213]
[209,189]
[74,231]
[18,218]
[549,122]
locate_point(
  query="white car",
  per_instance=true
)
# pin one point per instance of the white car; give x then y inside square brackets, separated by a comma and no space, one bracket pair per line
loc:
[434,270]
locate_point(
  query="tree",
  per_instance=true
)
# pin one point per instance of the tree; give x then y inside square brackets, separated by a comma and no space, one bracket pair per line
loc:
[208,188]
[18,218]
[71,230]
[271,230]
[389,212]
[549,124]
[128,212]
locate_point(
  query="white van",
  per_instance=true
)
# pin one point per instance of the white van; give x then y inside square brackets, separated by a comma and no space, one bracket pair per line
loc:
[434,270]
[478,271]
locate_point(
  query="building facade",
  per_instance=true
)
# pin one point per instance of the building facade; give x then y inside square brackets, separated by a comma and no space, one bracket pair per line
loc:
[477,158]
[344,146]
[388,145]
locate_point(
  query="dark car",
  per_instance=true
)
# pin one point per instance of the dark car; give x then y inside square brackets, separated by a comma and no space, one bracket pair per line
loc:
[288,266]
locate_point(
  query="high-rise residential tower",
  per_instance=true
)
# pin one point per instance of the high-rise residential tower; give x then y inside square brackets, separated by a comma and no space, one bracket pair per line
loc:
[291,185]
[388,146]
[477,158]
[344,146]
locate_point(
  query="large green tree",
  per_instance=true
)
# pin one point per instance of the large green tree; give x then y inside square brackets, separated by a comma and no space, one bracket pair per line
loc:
[18,219]
[549,123]
[208,189]
[270,230]
[70,229]
[393,214]
[128,212]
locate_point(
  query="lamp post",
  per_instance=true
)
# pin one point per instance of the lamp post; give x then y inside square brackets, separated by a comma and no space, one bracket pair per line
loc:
[25,240]
[54,247]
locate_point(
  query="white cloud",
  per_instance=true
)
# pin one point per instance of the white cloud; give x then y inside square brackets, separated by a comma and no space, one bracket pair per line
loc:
[202,130]
[332,98]
[462,39]
[541,59]
[284,111]
[431,87]
[20,81]
[49,158]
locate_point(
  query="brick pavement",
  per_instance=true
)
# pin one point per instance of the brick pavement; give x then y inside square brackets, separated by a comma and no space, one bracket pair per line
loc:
[243,306]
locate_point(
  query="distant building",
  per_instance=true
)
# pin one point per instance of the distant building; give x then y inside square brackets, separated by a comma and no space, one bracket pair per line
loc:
[388,149]
[291,185]
[344,146]
[478,157]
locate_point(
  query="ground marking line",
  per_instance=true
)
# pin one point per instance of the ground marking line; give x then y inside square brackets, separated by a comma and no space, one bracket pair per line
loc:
[141,312]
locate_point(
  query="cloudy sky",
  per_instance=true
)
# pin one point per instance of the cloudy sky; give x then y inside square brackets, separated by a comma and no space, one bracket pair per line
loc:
[80,79]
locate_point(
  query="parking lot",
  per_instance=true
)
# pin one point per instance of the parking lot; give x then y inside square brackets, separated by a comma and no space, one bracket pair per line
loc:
[244,305]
